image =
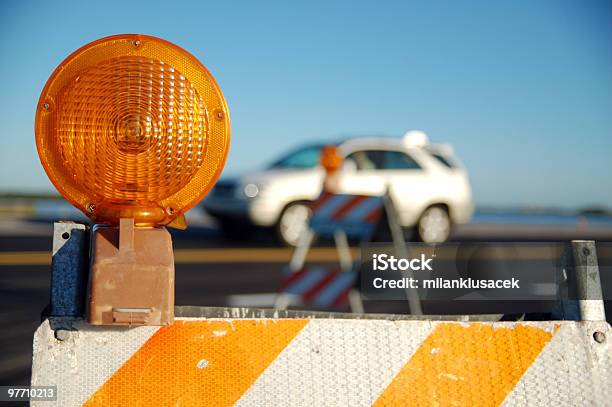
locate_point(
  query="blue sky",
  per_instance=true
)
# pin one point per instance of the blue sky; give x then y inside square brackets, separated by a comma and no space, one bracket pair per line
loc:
[522,89]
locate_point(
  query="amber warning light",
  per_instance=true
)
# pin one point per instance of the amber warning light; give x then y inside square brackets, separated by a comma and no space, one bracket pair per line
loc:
[331,160]
[132,126]
[133,131]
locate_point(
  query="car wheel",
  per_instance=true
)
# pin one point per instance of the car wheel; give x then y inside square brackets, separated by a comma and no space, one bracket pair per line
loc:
[434,225]
[292,222]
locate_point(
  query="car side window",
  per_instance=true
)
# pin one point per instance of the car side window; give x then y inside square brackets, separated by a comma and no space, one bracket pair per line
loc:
[397,160]
[383,160]
[367,159]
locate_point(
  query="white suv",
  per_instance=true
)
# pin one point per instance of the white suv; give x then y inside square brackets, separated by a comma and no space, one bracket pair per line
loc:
[428,186]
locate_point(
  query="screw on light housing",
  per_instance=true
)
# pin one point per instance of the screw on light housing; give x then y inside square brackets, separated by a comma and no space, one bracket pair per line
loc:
[599,337]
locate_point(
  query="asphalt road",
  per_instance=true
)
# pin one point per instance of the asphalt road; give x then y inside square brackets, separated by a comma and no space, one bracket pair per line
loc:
[210,270]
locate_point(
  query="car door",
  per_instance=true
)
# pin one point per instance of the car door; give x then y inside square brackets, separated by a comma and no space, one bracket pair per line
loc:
[361,174]
[374,171]
[408,184]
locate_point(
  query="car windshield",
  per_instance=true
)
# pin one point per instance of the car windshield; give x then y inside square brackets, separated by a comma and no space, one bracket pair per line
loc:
[305,157]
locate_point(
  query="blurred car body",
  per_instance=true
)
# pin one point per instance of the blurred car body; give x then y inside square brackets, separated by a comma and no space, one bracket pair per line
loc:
[427,184]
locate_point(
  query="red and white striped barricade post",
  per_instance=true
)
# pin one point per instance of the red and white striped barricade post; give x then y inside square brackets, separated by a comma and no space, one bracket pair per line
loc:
[320,286]
[339,216]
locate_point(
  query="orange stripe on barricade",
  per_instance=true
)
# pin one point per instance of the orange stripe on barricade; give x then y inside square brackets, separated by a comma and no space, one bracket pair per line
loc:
[472,365]
[346,208]
[198,363]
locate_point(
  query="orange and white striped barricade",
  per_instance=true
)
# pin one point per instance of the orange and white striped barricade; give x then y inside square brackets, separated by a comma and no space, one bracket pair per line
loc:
[238,357]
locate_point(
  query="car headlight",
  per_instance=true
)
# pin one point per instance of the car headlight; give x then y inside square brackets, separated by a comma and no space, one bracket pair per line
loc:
[251,190]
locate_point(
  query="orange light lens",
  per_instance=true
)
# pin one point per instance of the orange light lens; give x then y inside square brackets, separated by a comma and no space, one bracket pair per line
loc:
[331,159]
[132,126]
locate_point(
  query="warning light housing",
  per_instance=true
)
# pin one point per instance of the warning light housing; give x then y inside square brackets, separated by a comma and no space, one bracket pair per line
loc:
[331,159]
[132,126]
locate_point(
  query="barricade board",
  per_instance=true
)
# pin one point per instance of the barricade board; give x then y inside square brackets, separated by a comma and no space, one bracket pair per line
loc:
[356,215]
[326,362]
[320,286]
